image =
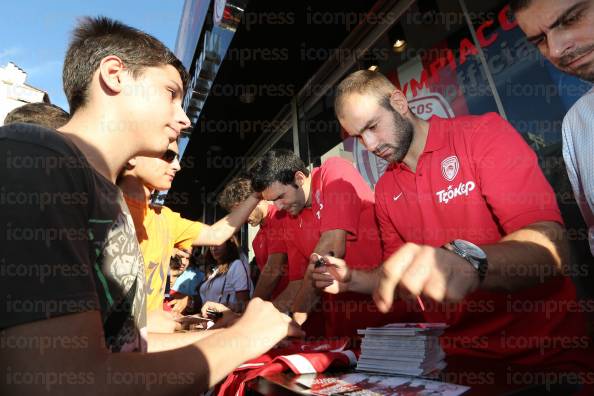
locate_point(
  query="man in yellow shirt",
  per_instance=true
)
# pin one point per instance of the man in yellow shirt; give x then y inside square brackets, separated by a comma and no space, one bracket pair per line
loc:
[159,229]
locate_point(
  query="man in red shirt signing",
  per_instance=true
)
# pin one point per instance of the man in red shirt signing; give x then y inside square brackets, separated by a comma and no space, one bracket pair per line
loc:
[469,226]
[330,210]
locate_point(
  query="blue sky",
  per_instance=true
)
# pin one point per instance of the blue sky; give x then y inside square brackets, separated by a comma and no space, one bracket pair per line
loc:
[34,34]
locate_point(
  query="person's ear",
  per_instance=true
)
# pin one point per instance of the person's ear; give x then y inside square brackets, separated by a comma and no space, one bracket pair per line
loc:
[131,164]
[399,102]
[111,71]
[300,178]
[263,205]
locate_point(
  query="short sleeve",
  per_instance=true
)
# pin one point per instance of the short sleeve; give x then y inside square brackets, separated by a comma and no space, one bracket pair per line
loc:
[342,204]
[238,278]
[45,258]
[391,240]
[510,177]
[184,231]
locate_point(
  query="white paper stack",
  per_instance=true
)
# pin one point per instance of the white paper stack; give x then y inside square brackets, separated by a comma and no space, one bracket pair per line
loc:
[402,348]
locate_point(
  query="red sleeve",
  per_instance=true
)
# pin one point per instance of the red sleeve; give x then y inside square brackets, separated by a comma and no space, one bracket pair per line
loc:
[342,204]
[297,264]
[391,240]
[275,234]
[510,177]
[260,248]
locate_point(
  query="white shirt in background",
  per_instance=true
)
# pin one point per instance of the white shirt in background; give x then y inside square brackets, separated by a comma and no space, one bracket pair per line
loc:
[578,153]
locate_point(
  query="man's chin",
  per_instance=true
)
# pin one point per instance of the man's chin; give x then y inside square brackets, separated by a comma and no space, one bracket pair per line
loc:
[163,187]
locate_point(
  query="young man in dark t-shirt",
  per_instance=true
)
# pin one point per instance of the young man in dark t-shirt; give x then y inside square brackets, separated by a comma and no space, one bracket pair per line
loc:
[72,277]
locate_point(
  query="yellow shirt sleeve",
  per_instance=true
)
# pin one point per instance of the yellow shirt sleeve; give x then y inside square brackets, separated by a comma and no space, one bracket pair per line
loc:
[183,231]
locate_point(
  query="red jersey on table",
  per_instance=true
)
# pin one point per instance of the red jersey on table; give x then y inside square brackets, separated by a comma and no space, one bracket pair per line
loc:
[478,180]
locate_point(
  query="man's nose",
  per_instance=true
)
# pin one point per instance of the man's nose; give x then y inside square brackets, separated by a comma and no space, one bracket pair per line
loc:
[369,141]
[560,43]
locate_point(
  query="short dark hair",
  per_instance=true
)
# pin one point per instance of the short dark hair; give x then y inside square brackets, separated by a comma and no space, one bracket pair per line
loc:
[517,5]
[237,191]
[44,114]
[94,39]
[276,166]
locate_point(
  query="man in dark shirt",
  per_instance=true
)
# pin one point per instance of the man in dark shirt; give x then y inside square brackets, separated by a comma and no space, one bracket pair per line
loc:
[72,276]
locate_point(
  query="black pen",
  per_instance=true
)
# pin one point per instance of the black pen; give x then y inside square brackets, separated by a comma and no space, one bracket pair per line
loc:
[320,262]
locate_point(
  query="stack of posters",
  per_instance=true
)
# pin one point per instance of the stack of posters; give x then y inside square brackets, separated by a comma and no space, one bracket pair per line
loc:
[403,348]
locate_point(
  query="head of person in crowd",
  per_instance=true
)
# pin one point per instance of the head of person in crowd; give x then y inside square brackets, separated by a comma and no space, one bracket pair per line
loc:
[282,178]
[127,79]
[237,191]
[370,108]
[44,114]
[197,257]
[563,31]
[179,260]
[222,256]
[148,174]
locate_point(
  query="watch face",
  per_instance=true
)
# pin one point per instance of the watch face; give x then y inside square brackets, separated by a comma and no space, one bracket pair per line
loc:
[470,248]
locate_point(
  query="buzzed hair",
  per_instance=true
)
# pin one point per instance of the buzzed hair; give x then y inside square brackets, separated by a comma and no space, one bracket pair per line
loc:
[364,82]
[44,114]
[517,5]
[94,39]
[237,191]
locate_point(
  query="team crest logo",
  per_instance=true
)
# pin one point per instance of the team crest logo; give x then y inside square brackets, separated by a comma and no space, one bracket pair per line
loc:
[449,167]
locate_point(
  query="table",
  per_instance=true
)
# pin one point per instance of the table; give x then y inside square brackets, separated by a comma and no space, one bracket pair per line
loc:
[485,377]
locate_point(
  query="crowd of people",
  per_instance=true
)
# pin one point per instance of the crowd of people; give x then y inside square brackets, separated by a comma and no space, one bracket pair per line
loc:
[463,228]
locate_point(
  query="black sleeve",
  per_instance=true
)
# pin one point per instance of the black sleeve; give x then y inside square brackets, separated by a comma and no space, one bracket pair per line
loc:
[45,266]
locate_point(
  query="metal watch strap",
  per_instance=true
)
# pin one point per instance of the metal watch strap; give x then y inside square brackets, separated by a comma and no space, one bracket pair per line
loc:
[480,266]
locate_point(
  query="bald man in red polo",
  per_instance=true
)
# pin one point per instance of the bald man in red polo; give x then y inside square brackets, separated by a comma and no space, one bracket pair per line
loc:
[469,224]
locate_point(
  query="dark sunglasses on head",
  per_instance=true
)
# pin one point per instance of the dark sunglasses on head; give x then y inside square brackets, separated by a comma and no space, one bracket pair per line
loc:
[169,156]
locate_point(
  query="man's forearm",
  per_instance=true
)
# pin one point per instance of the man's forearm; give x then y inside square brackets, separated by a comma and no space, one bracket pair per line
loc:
[195,367]
[188,370]
[284,301]
[306,298]
[363,281]
[526,258]
[158,342]
[332,242]
[271,274]
[223,229]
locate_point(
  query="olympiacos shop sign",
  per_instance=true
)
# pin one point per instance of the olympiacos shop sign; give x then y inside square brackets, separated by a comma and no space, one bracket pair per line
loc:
[416,78]
[466,48]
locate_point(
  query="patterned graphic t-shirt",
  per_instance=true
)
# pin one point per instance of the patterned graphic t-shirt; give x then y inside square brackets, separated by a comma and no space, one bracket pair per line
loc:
[68,244]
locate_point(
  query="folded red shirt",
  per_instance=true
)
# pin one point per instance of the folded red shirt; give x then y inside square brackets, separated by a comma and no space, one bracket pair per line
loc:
[299,357]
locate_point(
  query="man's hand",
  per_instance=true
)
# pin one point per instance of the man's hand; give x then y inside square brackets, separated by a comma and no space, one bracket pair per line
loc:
[178,305]
[416,270]
[263,324]
[159,321]
[228,318]
[332,277]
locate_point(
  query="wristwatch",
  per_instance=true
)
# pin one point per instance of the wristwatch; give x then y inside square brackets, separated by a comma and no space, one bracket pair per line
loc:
[471,253]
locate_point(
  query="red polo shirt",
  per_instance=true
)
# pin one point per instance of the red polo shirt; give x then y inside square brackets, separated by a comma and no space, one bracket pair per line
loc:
[478,180]
[341,199]
[270,240]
